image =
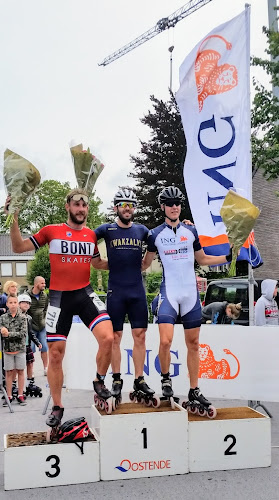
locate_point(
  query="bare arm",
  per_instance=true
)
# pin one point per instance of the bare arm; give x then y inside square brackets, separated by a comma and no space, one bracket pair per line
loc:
[147,260]
[19,245]
[209,260]
[99,263]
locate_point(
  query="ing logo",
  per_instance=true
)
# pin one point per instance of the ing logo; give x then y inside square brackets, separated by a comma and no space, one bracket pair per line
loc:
[210,368]
[211,78]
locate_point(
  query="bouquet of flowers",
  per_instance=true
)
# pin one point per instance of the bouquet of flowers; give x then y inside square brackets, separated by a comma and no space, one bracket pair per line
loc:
[239,216]
[21,179]
[87,167]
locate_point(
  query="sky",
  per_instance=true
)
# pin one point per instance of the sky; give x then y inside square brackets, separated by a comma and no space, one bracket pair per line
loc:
[52,90]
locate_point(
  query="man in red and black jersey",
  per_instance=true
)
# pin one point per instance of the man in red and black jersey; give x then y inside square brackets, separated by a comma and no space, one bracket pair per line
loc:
[71,248]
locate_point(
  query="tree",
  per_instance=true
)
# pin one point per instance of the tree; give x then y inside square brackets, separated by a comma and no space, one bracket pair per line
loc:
[40,266]
[47,206]
[160,161]
[265,112]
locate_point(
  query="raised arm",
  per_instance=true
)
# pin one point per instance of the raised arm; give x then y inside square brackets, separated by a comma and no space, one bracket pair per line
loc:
[19,244]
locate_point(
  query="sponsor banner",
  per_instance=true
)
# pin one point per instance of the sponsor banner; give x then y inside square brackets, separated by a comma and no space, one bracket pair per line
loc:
[214,102]
[236,362]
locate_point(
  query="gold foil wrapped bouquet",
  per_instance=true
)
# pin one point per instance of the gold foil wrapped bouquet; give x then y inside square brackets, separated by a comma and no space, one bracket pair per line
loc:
[21,179]
[239,216]
[87,167]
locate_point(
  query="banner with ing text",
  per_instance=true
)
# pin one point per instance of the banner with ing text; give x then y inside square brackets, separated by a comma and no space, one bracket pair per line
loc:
[214,103]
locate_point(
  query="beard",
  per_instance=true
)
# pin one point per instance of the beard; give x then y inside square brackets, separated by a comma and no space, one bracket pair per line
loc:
[123,220]
[75,220]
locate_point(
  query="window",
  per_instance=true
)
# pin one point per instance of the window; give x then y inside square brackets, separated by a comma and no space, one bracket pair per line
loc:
[6,269]
[21,268]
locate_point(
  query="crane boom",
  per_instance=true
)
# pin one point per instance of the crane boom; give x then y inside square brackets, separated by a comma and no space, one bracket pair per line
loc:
[161,25]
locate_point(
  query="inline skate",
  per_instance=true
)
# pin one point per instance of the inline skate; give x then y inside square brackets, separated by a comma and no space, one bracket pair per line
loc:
[102,396]
[198,404]
[116,389]
[14,390]
[54,421]
[32,389]
[167,391]
[143,394]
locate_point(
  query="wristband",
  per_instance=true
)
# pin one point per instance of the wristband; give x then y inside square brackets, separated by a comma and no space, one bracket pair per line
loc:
[229,256]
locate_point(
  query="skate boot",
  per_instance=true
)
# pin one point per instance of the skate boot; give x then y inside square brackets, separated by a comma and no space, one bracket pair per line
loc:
[197,403]
[21,400]
[167,390]
[143,394]
[14,390]
[32,389]
[116,389]
[54,421]
[102,396]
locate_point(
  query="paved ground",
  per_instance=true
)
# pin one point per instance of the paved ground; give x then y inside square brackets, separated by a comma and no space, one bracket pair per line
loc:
[256,484]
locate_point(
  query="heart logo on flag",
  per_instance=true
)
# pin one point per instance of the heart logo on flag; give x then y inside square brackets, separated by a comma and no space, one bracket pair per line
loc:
[212,79]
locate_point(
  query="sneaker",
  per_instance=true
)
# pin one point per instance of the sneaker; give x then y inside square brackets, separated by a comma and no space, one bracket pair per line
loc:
[45,372]
[5,402]
[21,401]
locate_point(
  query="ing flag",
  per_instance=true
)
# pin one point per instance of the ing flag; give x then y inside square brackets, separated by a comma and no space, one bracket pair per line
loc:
[214,103]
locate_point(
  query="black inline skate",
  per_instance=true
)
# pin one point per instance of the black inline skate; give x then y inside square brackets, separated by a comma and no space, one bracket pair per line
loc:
[14,390]
[143,394]
[167,390]
[32,389]
[197,403]
[116,389]
[54,421]
[102,396]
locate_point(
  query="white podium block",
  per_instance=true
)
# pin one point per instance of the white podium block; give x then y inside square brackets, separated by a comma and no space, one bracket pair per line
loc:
[50,464]
[238,438]
[138,441]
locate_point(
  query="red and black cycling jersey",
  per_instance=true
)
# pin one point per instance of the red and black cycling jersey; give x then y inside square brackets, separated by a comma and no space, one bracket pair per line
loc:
[70,253]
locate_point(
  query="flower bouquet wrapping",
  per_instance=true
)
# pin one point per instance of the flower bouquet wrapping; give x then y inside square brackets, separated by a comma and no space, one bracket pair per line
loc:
[239,216]
[87,167]
[21,179]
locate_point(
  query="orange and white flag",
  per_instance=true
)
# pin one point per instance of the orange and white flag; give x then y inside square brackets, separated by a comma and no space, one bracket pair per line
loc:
[214,102]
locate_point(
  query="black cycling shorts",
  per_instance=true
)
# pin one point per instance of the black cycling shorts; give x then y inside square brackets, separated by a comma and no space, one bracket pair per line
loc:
[64,305]
[130,300]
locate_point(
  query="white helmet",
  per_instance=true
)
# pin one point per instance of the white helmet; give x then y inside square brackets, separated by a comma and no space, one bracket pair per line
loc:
[24,297]
[125,195]
[170,193]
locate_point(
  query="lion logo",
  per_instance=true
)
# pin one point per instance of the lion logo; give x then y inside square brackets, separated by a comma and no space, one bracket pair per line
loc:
[212,79]
[210,368]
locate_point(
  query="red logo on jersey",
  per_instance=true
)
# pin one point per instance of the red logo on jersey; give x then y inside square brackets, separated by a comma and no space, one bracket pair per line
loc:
[183,238]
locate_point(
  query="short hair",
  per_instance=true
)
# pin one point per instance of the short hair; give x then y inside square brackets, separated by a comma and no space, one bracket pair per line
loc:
[75,191]
[12,296]
[7,286]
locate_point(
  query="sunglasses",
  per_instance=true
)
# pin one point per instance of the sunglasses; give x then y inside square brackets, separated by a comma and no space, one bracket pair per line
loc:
[170,203]
[124,204]
[78,197]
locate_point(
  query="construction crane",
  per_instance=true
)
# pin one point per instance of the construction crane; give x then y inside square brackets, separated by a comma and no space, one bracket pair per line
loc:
[161,25]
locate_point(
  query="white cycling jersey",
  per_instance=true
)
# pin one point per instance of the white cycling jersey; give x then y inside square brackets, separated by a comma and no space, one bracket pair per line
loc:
[176,247]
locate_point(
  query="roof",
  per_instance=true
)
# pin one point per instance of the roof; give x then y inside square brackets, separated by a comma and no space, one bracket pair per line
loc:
[6,246]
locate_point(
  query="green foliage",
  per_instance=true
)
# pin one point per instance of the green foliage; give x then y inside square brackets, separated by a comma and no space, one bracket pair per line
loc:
[99,280]
[47,206]
[153,281]
[160,161]
[265,112]
[40,266]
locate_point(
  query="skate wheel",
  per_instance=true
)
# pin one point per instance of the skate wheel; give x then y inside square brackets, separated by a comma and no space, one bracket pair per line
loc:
[114,404]
[147,402]
[172,403]
[108,406]
[184,405]
[139,399]
[96,400]
[156,401]
[102,404]
[40,395]
[48,436]
[211,412]
[119,399]
[201,412]
[132,397]
[35,395]
[193,409]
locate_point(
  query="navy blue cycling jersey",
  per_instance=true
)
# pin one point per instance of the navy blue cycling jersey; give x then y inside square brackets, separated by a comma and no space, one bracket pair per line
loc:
[124,251]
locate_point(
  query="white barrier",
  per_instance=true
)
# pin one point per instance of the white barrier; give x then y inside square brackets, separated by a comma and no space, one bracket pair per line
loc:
[236,362]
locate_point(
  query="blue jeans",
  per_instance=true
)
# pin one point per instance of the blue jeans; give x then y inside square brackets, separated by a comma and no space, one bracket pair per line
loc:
[41,336]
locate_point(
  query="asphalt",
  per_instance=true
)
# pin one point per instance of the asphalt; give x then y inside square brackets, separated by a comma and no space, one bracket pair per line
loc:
[246,484]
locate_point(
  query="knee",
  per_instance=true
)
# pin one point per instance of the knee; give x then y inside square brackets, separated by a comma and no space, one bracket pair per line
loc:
[165,344]
[107,341]
[55,356]
[139,338]
[116,340]
[193,345]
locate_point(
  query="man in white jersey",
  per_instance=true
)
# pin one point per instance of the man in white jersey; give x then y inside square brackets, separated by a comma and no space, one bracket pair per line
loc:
[178,246]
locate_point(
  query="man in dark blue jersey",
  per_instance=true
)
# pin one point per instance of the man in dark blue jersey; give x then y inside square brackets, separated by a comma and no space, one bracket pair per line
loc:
[126,294]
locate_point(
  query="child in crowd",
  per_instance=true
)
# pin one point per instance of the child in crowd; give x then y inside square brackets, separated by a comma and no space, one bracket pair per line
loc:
[24,301]
[13,328]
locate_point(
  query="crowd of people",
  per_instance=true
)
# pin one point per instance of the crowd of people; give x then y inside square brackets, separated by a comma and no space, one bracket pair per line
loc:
[73,248]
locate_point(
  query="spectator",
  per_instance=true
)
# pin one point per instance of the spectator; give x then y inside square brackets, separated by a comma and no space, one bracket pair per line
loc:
[266,309]
[3,300]
[13,328]
[37,311]
[221,313]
